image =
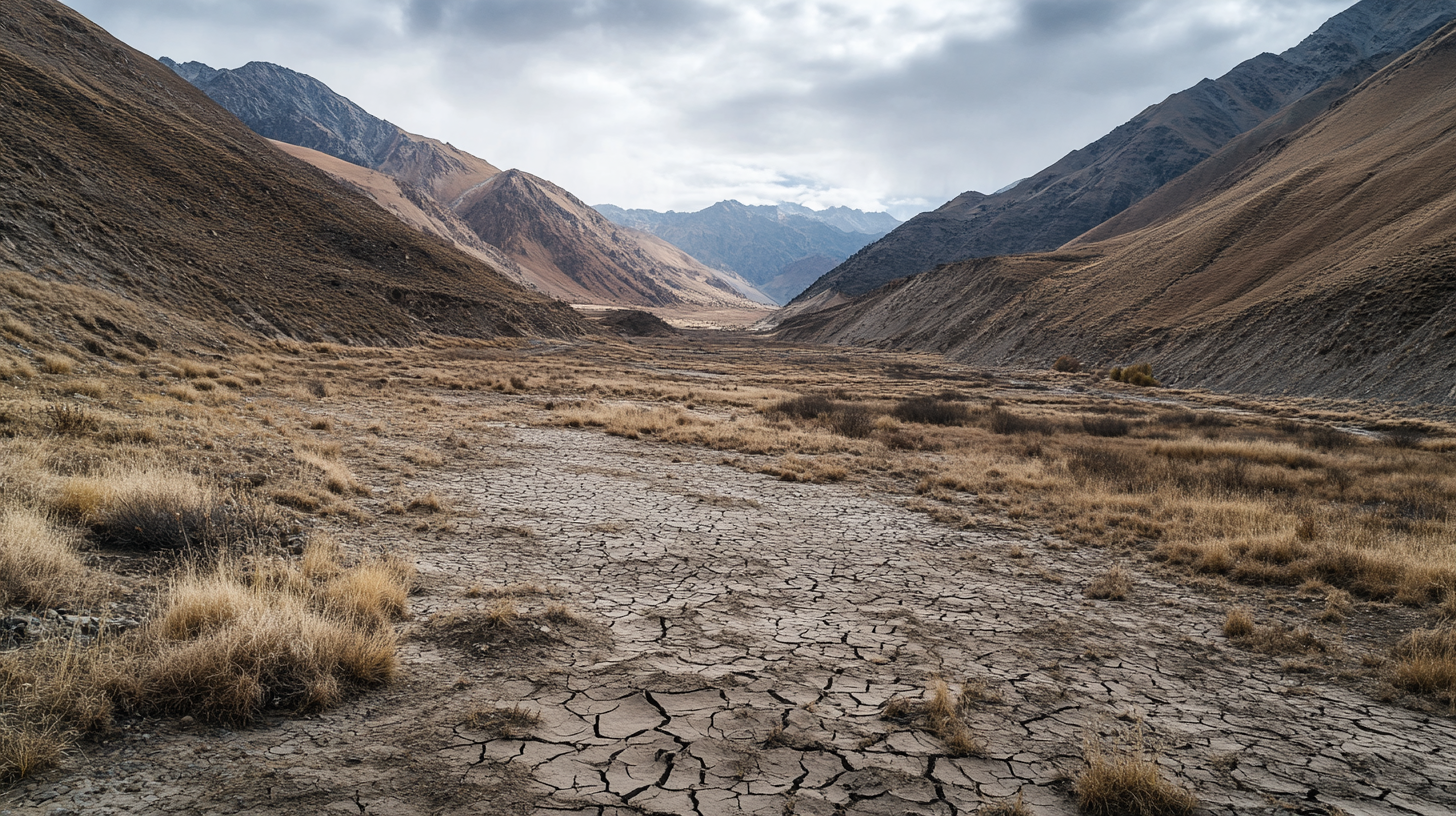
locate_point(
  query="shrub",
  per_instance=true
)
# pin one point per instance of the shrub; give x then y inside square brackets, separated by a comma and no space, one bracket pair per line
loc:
[931,411]
[804,407]
[1239,623]
[1004,422]
[1067,364]
[852,420]
[1106,426]
[1137,374]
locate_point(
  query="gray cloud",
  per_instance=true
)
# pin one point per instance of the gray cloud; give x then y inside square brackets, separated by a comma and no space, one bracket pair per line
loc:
[678,103]
[536,20]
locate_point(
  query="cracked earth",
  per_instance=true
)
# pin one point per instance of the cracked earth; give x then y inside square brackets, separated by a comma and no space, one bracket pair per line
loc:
[729,645]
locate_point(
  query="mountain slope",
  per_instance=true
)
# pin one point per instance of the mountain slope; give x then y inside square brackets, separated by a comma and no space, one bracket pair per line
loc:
[1327,265]
[297,109]
[1093,184]
[764,244]
[575,253]
[597,265]
[118,175]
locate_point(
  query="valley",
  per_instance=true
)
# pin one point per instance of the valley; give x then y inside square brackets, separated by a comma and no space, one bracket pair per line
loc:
[647,582]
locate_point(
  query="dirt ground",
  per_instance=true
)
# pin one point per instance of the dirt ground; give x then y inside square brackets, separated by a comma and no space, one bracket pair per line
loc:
[614,626]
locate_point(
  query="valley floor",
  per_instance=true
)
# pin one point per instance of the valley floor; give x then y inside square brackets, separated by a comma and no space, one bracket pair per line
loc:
[605,625]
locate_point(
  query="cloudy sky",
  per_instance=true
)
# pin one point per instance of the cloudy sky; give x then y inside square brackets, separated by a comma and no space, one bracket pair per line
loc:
[676,104]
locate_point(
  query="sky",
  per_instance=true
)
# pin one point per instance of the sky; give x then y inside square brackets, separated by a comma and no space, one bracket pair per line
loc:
[897,105]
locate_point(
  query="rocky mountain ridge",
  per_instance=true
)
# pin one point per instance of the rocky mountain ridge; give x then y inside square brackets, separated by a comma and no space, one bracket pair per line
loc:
[1091,185]
[603,266]
[780,248]
[1324,264]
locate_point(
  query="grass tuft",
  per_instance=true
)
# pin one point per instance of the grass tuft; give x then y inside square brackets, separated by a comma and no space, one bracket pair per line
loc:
[1126,781]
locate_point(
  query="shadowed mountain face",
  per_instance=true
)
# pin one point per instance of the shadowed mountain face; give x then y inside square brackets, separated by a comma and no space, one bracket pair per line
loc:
[551,239]
[117,174]
[765,244]
[1093,184]
[1324,265]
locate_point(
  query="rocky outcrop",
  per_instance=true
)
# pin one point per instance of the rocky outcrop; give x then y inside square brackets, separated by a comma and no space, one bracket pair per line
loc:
[1091,185]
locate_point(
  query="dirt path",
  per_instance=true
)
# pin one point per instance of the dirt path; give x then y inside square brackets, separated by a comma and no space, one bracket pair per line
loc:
[739,638]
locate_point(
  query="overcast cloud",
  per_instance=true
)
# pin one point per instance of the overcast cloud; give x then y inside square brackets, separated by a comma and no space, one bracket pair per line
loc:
[676,104]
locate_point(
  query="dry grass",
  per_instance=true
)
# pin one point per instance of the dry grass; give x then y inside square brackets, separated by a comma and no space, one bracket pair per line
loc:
[424,457]
[335,476]
[1113,585]
[1124,780]
[940,713]
[1425,662]
[1007,807]
[503,723]
[1239,623]
[228,640]
[39,567]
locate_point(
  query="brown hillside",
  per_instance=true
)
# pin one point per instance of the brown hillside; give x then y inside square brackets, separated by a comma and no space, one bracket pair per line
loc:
[411,205]
[576,254]
[1327,266]
[116,173]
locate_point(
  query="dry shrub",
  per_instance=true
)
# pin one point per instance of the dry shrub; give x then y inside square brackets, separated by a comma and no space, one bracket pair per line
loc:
[804,407]
[429,503]
[1124,780]
[1136,374]
[1007,807]
[1106,426]
[1067,364]
[1425,662]
[1113,585]
[50,694]
[931,411]
[158,509]
[853,420]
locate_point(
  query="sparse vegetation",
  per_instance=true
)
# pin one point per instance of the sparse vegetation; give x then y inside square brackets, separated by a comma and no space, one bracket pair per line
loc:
[1136,374]
[1124,780]
[1113,585]
[940,714]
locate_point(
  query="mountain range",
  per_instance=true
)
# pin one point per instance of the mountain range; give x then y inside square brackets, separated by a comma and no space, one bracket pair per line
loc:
[1089,186]
[121,180]
[1321,261]
[547,237]
[779,248]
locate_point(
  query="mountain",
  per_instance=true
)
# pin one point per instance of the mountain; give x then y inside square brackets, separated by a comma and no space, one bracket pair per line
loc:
[1091,185]
[601,266]
[1324,265]
[578,255]
[119,177]
[768,245]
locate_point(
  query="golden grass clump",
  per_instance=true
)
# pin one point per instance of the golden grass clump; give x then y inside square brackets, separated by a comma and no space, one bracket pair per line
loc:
[1239,623]
[39,566]
[50,694]
[424,457]
[336,477]
[1113,585]
[1126,781]
[1425,662]
[56,364]
[221,646]
[372,593]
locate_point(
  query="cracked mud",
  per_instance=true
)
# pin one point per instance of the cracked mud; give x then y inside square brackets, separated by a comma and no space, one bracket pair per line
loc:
[736,640]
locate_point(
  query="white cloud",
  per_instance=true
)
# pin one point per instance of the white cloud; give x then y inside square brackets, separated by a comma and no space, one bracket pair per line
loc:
[679,103]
